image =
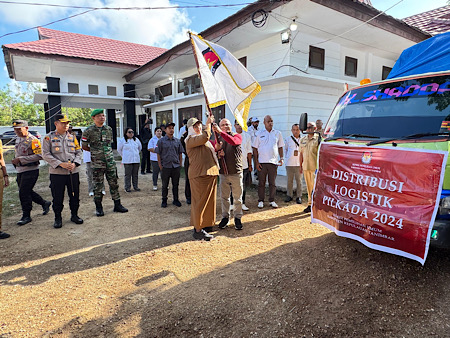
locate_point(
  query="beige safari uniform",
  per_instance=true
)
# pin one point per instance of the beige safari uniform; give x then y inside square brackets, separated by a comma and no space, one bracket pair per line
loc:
[309,148]
[28,151]
[57,149]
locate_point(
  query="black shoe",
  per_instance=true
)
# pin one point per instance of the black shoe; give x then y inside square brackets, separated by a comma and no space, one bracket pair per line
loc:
[208,229]
[202,235]
[223,223]
[177,203]
[76,219]
[137,189]
[46,207]
[298,200]
[4,235]
[99,209]
[24,220]
[307,209]
[142,172]
[188,201]
[164,204]
[58,223]
[127,190]
[237,224]
[119,207]
[288,199]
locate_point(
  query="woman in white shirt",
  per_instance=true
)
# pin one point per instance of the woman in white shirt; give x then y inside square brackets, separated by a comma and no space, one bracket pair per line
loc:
[129,148]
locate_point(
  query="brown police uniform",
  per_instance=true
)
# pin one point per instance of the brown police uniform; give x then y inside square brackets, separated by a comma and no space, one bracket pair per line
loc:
[28,151]
[57,149]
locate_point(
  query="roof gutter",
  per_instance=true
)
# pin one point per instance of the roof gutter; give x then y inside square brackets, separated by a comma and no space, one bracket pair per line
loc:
[363,12]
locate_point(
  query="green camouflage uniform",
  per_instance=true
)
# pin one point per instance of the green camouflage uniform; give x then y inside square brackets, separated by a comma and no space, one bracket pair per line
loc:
[102,160]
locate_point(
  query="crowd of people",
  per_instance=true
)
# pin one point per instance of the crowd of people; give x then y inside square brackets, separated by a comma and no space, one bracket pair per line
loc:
[214,156]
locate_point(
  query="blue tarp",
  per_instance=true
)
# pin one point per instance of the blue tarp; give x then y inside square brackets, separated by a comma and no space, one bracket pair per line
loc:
[431,55]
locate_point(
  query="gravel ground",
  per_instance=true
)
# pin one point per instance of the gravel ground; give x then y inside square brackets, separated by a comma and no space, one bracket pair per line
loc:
[142,274]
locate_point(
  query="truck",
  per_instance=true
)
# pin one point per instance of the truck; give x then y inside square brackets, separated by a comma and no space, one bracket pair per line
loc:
[410,109]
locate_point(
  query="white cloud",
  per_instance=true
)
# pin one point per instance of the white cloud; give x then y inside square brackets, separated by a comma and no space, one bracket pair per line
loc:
[163,27]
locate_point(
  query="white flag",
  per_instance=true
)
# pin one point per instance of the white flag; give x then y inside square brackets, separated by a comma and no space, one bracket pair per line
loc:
[225,79]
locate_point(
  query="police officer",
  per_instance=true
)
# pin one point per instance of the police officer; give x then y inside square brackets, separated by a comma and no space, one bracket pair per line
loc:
[4,182]
[26,160]
[63,153]
[97,139]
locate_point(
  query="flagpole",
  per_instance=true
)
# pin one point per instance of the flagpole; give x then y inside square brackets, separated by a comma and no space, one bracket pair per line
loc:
[209,113]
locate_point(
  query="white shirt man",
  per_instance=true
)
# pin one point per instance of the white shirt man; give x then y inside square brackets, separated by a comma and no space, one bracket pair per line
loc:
[268,155]
[292,154]
[246,160]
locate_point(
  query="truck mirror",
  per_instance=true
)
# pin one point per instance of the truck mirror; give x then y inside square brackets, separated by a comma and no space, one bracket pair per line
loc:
[303,124]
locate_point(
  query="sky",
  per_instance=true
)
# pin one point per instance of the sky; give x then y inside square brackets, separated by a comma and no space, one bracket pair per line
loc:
[155,27]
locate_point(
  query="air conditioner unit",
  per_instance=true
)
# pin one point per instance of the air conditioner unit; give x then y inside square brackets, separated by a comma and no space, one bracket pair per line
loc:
[151,97]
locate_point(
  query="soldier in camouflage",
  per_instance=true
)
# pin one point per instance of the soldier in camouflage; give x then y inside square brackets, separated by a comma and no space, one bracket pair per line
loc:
[97,139]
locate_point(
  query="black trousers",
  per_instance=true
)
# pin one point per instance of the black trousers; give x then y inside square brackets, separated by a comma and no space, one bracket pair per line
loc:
[58,184]
[166,175]
[187,185]
[145,161]
[27,195]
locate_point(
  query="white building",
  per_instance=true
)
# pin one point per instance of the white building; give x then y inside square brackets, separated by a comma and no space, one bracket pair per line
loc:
[336,42]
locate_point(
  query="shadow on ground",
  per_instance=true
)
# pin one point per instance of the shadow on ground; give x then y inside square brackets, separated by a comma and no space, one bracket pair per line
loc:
[324,286]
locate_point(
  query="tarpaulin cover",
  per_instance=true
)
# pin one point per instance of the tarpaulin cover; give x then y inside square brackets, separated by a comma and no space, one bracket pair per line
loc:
[431,55]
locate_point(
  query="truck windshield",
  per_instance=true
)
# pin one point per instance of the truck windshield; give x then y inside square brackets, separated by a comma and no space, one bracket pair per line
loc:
[394,109]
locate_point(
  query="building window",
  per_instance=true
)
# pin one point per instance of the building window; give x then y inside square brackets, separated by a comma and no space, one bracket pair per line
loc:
[93,89]
[351,66]
[112,91]
[164,91]
[193,82]
[316,57]
[188,112]
[243,60]
[73,88]
[385,72]
[219,113]
[163,117]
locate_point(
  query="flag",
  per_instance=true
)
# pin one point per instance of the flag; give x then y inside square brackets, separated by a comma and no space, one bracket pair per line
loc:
[224,79]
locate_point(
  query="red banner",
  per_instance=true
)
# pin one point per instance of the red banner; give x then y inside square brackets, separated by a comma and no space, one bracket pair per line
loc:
[386,198]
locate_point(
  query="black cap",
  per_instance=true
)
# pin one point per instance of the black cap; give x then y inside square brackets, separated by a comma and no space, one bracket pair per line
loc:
[61,118]
[170,124]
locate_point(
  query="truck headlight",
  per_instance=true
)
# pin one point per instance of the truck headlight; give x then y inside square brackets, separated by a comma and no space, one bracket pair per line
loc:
[444,206]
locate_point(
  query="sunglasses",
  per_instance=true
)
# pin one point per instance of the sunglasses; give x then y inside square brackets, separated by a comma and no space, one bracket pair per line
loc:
[310,127]
[130,132]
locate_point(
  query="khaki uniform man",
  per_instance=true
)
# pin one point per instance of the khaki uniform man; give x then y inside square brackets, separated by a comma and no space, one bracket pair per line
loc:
[27,155]
[309,145]
[97,139]
[63,153]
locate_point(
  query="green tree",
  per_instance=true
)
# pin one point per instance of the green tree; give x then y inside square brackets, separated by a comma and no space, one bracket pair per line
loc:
[16,102]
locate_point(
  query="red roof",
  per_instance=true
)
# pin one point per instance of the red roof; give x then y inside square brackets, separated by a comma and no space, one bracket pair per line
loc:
[53,42]
[434,22]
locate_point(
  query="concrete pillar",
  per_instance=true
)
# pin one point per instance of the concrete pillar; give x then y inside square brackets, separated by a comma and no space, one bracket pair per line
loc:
[54,103]
[111,121]
[129,106]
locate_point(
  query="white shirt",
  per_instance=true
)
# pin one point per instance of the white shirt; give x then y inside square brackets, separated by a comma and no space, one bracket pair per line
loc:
[246,147]
[152,144]
[252,132]
[291,147]
[129,150]
[182,131]
[86,156]
[267,145]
